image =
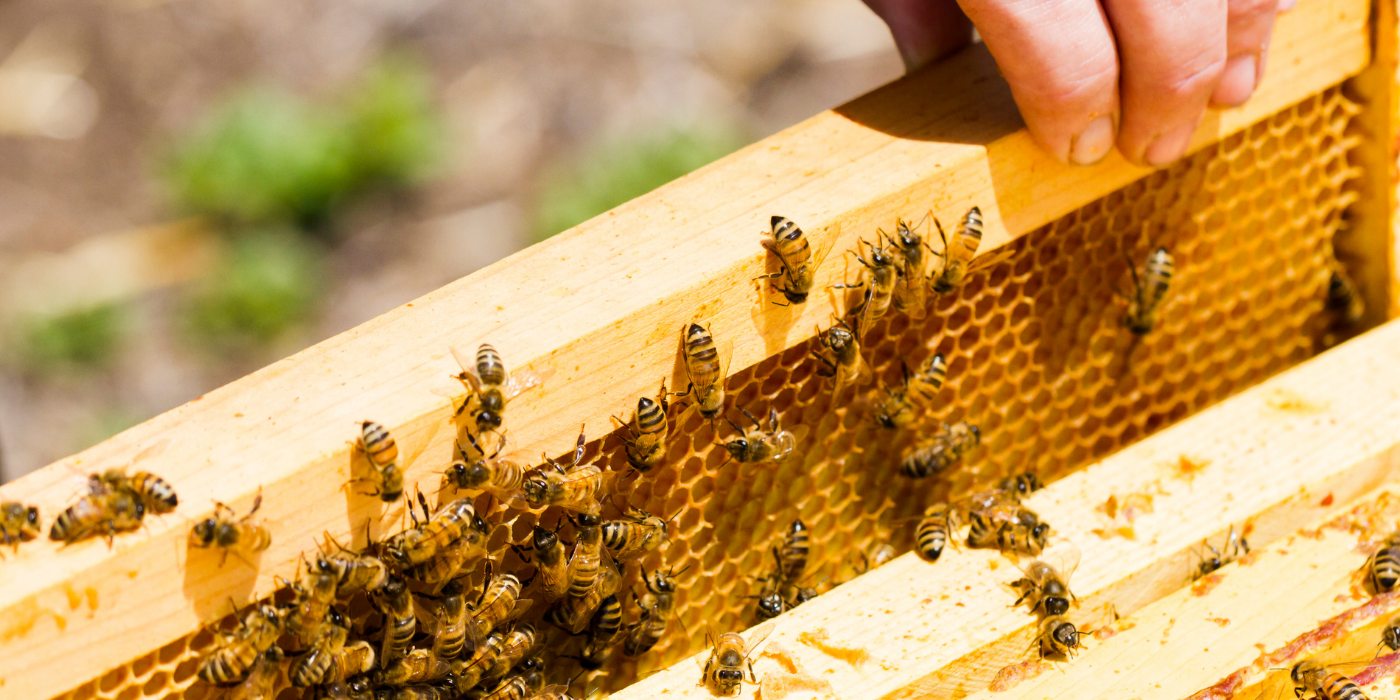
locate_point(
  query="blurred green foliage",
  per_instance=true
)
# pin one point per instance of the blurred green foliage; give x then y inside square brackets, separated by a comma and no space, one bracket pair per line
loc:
[267,284]
[106,422]
[268,156]
[77,340]
[617,172]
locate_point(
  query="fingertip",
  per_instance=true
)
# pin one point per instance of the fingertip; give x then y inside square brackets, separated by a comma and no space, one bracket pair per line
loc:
[1169,147]
[1237,81]
[1093,143]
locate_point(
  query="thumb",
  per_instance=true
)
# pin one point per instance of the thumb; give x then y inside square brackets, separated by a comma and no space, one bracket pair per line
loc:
[924,30]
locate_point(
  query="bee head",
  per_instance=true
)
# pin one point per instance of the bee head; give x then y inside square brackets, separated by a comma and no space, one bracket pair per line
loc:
[738,448]
[480,525]
[1066,635]
[1056,605]
[806,594]
[976,434]
[795,297]
[535,486]
[797,526]
[1391,637]
[473,475]
[770,605]
[1041,533]
[544,539]
[202,534]
[31,516]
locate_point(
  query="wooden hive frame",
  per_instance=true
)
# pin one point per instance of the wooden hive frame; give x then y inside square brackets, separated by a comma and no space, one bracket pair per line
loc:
[600,307]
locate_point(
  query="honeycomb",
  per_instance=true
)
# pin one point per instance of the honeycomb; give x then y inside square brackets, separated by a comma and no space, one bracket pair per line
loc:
[1037,358]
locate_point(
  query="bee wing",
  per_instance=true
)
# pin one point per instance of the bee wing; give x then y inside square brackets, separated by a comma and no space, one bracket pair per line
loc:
[758,636]
[468,364]
[525,380]
[823,248]
[522,605]
[1064,558]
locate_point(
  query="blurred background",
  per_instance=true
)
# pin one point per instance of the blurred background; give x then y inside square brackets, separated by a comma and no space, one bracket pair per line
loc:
[190,190]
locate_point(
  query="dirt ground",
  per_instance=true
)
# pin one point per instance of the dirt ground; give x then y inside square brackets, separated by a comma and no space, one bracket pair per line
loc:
[523,85]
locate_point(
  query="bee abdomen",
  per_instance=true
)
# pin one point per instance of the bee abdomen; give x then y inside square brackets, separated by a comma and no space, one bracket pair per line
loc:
[616,534]
[795,549]
[1339,687]
[489,367]
[379,446]
[932,536]
[650,418]
[157,491]
[1385,568]
[228,664]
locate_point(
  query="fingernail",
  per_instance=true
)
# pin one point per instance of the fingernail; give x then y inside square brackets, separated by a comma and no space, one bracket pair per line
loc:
[1169,146]
[1263,62]
[1286,5]
[1093,143]
[1237,82]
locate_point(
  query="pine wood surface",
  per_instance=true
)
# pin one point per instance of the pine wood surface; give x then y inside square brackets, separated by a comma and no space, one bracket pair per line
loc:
[1276,457]
[600,306]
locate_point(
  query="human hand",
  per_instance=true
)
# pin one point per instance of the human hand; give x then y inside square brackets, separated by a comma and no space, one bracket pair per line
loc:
[1088,73]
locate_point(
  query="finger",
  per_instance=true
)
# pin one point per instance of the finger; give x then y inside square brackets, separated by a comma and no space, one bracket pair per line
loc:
[1251,22]
[1059,59]
[924,30]
[1172,54]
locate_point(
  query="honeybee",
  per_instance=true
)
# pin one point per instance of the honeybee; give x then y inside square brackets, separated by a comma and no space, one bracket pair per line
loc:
[587,557]
[315,666]
[729,659]
[1235,544]
[1045,586]
[18,523]
[1343,300]
[523,684]
[501,478]
[846,366]
[1383,568]
[702,367]
[395,602]
[940,452]
[910,296]
[645,439]
[900,406]
[575,488]
[638,533]
[881,276]
[1149,288]
[512,648]
[312,604]
[353,659]
[957,254]
[353,572]
[155,493]
[573,613]
[99,512]
[658,606]
[554,692]
[1058,636]
[417,666]
[603,633]
[551,567]
[383,455]
[1323,682]
[792,556]
[499,603]
[491,385]
[229,535]
[261,679]
[234,653]
[450,635]
[1009,528]
[453,522]
[934,532]
[798,265]
[757,445]
[449,560]
[1390,636]
[482,660]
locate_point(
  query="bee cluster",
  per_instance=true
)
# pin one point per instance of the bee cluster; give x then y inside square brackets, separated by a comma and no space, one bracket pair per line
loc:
[429,613]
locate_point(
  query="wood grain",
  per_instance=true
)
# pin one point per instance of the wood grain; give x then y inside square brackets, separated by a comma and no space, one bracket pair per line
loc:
[1275,457]
[601,306]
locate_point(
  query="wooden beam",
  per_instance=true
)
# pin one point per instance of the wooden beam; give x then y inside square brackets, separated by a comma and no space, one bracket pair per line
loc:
[1295,599]
[1369,246]
[1276,456]
[600,305]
